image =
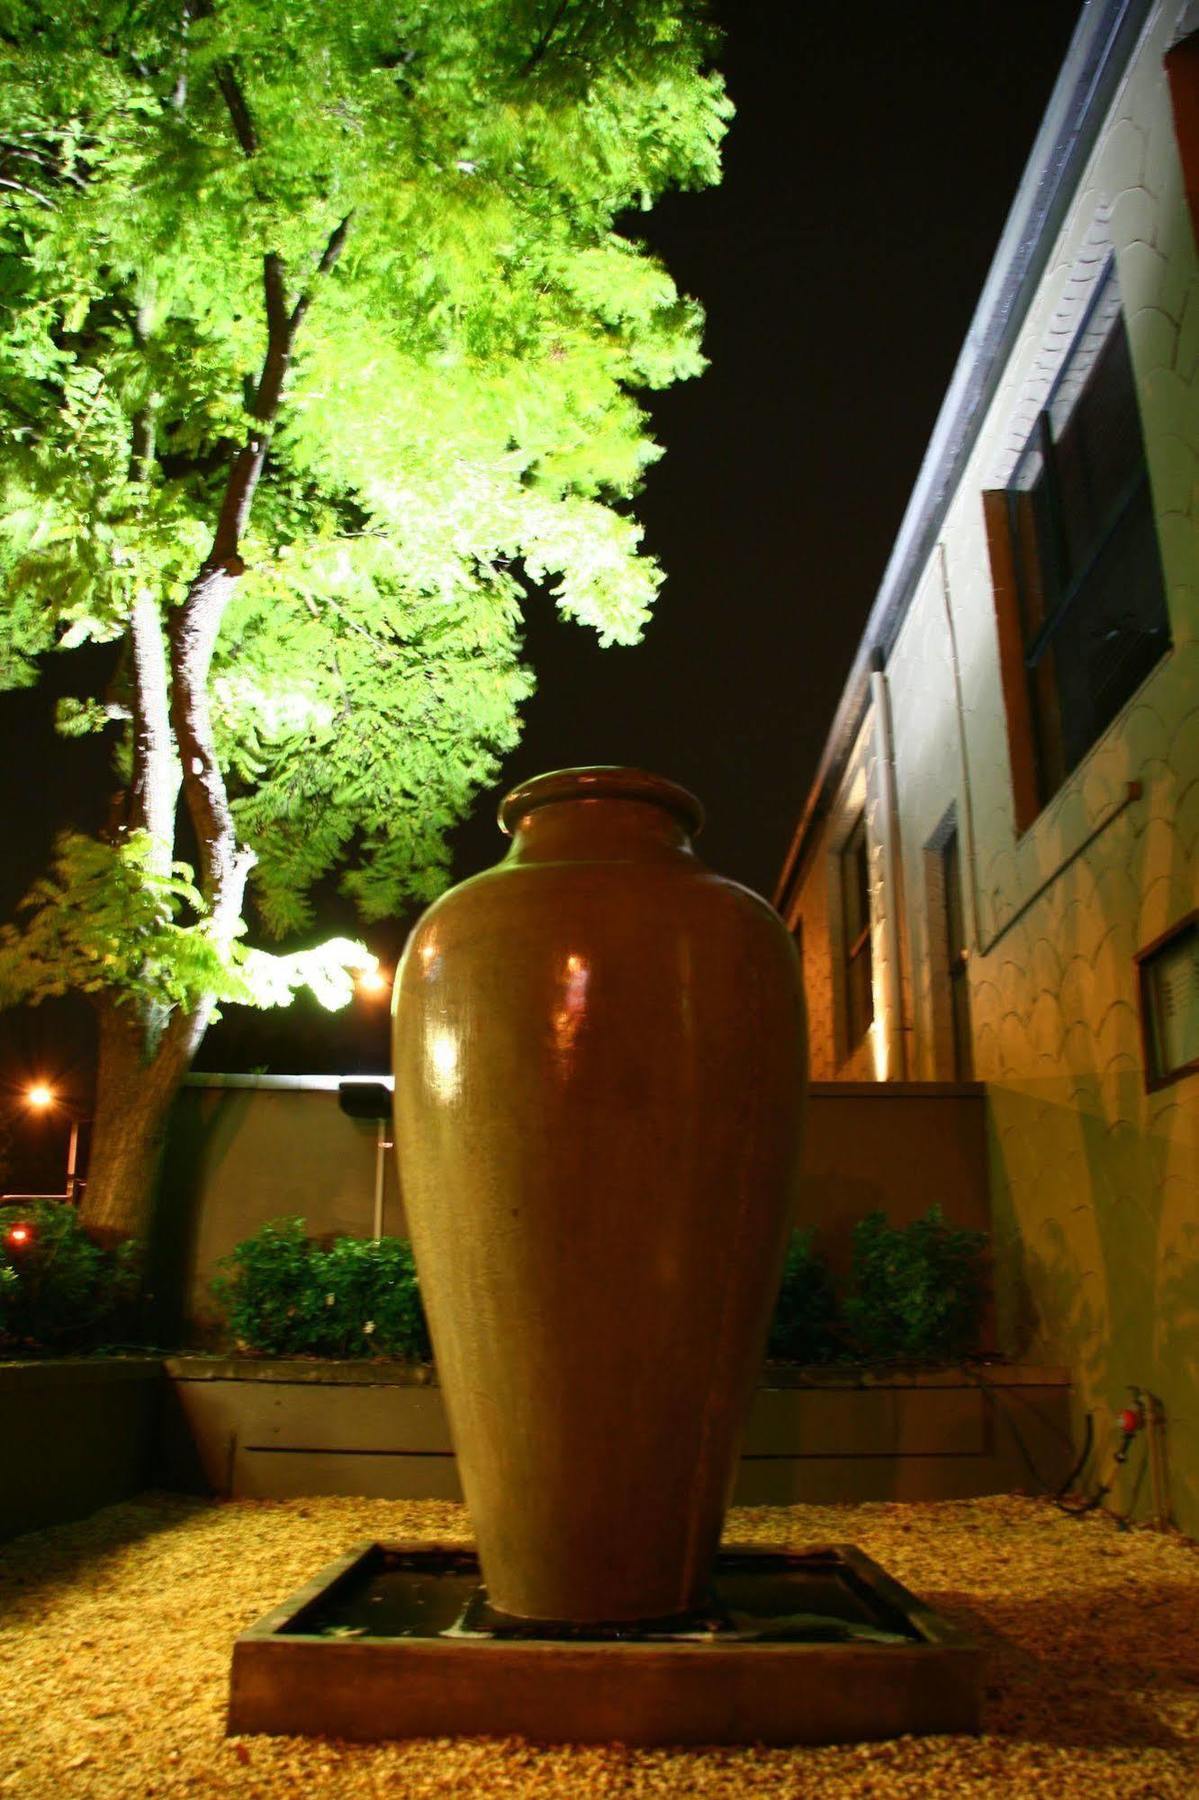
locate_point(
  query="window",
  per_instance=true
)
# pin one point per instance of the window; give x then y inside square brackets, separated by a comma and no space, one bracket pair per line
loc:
[1078,577]
[1169,980]
[855,923]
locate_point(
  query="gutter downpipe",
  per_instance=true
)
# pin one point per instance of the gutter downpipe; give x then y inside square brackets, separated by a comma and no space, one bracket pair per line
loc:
[894,908]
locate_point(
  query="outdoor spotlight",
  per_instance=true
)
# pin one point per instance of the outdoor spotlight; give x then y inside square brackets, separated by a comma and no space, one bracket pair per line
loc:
[373,982]
[39,1096]
[19,1237]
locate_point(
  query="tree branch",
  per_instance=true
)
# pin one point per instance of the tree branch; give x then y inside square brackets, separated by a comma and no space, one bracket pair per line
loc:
[179,91]
[19,187]
[330,254]
[282,327]
[239,111]
[155,787]
[543,43]
[194,627]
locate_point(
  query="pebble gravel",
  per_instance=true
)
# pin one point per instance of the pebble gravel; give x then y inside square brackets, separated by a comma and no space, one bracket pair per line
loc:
[115,1637]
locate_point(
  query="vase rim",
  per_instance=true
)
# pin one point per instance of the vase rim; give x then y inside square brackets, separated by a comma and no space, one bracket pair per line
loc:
[600,781]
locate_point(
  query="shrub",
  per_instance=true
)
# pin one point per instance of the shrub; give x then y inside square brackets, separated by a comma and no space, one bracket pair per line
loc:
[917,1290]
[804,1327]
[58,1290]
[286,1295]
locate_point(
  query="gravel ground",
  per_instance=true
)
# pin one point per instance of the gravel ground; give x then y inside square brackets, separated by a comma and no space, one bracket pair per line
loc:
[116,1633]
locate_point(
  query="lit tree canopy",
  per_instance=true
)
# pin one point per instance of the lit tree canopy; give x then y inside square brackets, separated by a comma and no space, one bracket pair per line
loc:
[318,342]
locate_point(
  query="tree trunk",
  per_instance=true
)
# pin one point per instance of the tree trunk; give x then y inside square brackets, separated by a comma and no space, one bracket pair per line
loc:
[126,1132]
[145,1052]
[134,1093]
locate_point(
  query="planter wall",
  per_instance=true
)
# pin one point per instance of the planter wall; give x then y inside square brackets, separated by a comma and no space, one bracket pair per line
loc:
[278,1430]
[77,1434]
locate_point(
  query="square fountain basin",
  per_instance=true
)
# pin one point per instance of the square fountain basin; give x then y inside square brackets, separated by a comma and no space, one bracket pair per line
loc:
[397,1641]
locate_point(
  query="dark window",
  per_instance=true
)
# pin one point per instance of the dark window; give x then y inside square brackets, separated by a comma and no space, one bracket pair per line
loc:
[1169,979]
[855,904]
[955,945]
[1089,593]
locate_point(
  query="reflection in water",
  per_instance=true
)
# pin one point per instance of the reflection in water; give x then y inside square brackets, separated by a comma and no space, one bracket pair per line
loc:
[441,1055]
[568,1017]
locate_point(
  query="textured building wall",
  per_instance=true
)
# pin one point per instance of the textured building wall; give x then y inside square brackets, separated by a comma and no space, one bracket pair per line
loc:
[1095,1180]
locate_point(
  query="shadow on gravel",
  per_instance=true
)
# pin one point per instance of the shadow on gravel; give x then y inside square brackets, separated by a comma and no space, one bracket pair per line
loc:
[80,1549]
[1077,1671]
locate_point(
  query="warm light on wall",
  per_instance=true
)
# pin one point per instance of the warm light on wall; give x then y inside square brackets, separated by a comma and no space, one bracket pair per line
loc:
[879,1048]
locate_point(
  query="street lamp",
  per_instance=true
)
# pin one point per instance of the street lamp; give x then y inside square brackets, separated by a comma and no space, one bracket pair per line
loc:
[40,1097]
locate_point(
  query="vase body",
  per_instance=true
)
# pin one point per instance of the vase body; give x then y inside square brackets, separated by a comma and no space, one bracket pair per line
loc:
[600,1059]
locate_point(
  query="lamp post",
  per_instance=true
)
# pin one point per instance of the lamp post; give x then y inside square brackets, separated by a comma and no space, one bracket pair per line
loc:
[40,1097]
[373,983]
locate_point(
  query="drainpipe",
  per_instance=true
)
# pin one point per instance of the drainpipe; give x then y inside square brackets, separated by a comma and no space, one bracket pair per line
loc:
[967,821]
[884,746]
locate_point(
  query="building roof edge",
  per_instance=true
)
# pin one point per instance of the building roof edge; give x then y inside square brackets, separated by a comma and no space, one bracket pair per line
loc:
[1100,51]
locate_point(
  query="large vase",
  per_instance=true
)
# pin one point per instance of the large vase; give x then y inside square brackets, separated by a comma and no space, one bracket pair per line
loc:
[599,1069]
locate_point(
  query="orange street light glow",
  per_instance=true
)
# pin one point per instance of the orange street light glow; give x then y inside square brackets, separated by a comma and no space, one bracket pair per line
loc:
[373,981]
[39,1095]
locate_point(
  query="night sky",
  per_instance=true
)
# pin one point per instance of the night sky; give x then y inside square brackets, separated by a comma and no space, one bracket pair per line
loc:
[874,156]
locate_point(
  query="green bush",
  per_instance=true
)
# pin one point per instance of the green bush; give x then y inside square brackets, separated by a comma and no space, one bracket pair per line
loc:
[917,1296]
[917,1290]
[58,1290]
[804,1327]
[286,1295]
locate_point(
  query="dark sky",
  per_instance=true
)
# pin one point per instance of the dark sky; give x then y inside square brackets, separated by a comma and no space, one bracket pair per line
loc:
[874,156]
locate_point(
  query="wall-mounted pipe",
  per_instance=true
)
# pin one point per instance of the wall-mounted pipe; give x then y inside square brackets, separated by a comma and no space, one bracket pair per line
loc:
[893,907]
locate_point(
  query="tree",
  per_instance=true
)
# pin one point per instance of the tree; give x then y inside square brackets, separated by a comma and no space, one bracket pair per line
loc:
[318,348]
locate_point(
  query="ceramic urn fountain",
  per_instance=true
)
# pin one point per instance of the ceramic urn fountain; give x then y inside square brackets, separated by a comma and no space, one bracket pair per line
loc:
[599,1066]
[599,1070]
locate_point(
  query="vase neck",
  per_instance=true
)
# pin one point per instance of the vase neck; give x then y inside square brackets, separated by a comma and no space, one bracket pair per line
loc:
[597,814]
[599,830]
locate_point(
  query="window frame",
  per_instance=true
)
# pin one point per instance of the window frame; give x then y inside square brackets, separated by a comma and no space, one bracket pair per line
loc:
[1155,1076]
[1022,653]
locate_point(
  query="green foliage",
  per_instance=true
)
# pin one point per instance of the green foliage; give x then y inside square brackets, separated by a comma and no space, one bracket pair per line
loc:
[285,1295]
[917,1289]
[105,919]
[804,1326]
[918,1294]
[459,419]
[58,1290]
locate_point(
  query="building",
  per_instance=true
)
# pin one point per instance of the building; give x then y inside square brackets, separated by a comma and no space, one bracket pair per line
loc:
[996,874]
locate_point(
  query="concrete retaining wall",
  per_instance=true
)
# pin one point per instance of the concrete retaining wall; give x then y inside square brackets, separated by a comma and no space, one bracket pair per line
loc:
[273,1431]
[75,1434]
